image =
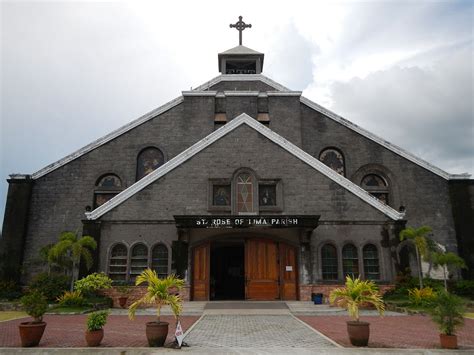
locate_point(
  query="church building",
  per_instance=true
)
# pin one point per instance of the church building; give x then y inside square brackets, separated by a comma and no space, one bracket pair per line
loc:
[243,187]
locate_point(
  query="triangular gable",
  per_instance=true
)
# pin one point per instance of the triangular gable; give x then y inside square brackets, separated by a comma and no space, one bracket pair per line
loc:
[221,132]
[242,77]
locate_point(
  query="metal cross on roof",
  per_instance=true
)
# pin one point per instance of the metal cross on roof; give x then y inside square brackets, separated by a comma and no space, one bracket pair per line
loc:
[240,26]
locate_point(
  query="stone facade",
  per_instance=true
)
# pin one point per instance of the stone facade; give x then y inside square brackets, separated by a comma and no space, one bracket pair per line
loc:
[59,198]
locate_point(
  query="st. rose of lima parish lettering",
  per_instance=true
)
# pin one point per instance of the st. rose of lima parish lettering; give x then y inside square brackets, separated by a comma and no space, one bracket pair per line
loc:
[245,222]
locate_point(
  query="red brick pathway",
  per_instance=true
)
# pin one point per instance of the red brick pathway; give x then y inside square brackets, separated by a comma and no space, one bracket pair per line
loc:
[68,331]
[392,331]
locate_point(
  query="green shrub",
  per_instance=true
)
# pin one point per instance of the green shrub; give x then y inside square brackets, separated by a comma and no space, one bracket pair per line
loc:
[96,320]
[421,297]
[51,286]
[71,299]
[464,288]
[448,312]
[90,284]
[9,290]
[35,305]
[436,285]
[99,302]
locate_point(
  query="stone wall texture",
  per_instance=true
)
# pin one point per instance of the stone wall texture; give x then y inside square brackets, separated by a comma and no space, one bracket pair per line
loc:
[59,199]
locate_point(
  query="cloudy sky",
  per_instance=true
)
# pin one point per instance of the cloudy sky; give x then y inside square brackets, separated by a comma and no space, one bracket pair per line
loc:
[73,71]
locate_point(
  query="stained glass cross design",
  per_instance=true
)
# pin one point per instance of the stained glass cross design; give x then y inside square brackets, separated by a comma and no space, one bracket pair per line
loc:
[240,26]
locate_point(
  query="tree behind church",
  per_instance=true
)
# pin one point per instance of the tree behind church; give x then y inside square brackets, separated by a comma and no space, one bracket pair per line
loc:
[75,249]
[418,236]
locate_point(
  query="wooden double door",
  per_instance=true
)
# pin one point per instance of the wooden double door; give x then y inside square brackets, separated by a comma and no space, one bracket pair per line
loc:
[270,271]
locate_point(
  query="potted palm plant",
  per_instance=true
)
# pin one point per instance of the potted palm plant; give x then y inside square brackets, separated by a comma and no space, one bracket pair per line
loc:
[447,313]
[35,305]
[352,296]
[158,293]
[123,291]
[94,324]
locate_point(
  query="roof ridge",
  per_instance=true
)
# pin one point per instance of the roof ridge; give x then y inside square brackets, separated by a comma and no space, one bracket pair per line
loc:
[107,138]
[221,132]
[393,147]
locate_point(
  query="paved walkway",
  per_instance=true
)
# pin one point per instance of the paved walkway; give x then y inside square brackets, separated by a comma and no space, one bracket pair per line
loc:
[255,332]
[246,328]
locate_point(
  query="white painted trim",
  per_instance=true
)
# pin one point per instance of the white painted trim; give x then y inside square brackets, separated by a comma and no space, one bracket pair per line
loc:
[107,138]
[284,93]
[199,93]
[221,132]
[400,151]
[19,176]
[242,77]
[241,93]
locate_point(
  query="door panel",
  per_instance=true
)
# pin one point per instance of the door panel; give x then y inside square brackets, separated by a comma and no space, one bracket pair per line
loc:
[289,278]
[201,270]
[261,270]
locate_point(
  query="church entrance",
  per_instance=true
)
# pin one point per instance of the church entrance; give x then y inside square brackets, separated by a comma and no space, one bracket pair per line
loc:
[227,275]
[250,269]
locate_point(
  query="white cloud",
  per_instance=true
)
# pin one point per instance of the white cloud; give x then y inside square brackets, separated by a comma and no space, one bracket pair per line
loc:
[73,71]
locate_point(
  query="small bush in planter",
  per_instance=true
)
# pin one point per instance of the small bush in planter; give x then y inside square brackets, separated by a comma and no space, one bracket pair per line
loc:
[94,324]
[51,286]
[92,283]
[71,299]
[35,305]
[448,313]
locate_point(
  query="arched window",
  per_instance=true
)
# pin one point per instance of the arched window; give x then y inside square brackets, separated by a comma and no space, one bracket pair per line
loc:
[138,260]
[118,262]
[329,262]
[377,186]
[148,160]
[245,193]
[159,260]
[371,262]
[350,261]
[334,159]
[106,187]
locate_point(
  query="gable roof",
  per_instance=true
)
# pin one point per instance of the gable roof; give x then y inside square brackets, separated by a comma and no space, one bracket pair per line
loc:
[221,132]
[241,50]
[240,77]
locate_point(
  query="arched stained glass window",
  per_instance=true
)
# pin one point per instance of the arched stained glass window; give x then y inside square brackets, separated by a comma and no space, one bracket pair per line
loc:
[329,262]
[106,187]
[371,262]
[245,193]
[350,260]
[148,160]
[138,260]
[118,262]
[377,186]
[159,260]
[334,159]
[109,181]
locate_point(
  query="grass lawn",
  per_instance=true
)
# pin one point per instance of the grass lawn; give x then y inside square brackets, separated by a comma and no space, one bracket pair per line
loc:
[469,315]
[9,315]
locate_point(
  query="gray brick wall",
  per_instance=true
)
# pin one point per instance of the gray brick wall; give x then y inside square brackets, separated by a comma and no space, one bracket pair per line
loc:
[58,199]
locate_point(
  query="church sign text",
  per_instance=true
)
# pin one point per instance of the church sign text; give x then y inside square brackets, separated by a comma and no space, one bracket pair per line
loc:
[245,221]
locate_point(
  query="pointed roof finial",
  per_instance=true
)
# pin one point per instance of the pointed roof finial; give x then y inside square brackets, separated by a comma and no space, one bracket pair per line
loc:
[240,26]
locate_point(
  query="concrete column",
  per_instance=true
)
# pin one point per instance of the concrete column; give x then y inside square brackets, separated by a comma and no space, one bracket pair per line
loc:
[15,224]
[93,229]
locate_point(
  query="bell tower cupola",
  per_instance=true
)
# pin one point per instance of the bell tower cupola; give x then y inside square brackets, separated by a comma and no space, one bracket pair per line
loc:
[240,59]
